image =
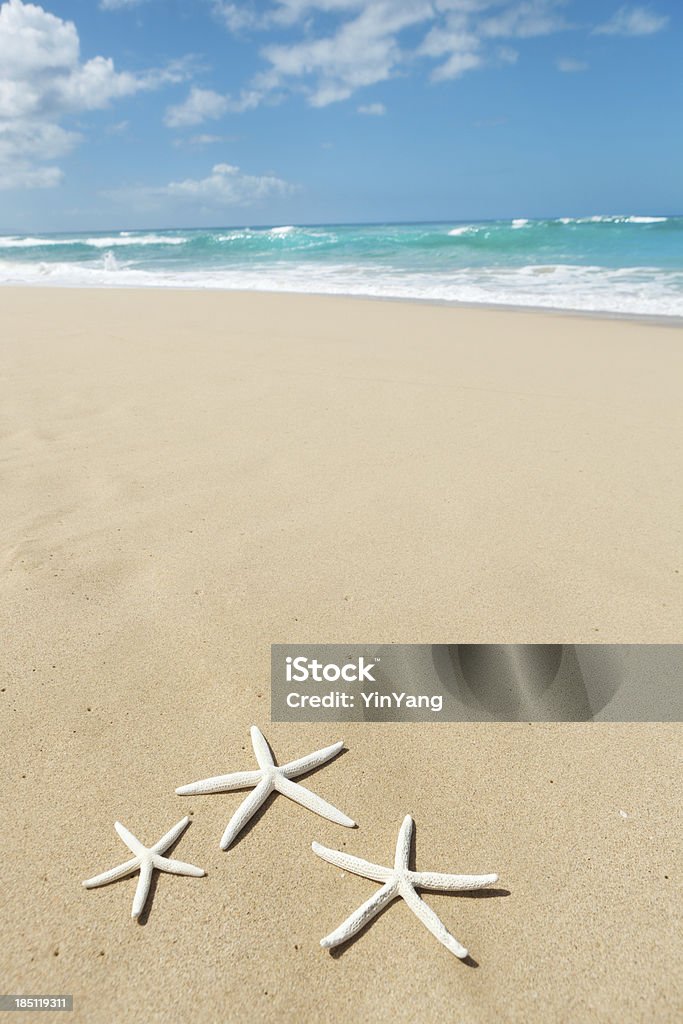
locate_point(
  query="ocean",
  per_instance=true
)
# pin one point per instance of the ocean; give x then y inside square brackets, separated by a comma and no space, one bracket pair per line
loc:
[629,265]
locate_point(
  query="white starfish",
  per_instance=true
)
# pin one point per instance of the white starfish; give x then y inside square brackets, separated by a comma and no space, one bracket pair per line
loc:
[266,778]
[399,881]
[146,859]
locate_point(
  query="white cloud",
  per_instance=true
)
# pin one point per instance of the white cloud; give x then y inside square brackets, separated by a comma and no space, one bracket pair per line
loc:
[20,140]
[205,140]
[507,55]
[372,109]
[118,128]
[41,177]
[526,19]
[201,105]
[43,80]
[226,186]
[202,139]
[344,46]
[117,5]
[570,64]
[633,21]
[361,52]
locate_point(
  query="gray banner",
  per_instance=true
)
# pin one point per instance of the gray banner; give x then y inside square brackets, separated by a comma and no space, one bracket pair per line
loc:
[32,1003]
[477,682]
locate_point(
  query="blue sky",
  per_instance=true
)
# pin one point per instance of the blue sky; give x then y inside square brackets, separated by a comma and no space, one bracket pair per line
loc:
[153,113]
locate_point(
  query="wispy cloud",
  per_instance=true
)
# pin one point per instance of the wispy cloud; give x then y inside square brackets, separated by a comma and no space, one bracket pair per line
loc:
[347,45]
[526,19]
[372,109]
[633,21]
[570,65]
[118,128]
[43,81]
[117,5]
[40,177]
[362,51]
[204,139]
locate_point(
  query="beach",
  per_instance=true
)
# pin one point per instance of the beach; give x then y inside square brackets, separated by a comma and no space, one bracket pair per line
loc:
[189,477]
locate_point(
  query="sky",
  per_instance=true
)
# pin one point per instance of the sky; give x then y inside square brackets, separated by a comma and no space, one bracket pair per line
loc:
[180,113]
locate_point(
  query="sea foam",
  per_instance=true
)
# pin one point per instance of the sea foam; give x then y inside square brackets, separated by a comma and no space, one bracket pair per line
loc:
[628,264]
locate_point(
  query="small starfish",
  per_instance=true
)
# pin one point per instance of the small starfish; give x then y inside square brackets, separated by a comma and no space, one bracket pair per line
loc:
[399,881]
[146,859]
[267,778]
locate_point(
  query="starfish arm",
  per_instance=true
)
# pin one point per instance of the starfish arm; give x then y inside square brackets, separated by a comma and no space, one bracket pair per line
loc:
[360,917]
[261,748]
[221,783]
[142,891]
[403,842]
[353,864]
[178,867]
[171,836]
[312,801]
[133,844]
[450,883]
[310,761]
[245,811]
[111,876]
[431,921]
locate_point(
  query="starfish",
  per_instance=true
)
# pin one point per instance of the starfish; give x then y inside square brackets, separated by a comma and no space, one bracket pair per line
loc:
[399,881]
[146,859]
[265,779]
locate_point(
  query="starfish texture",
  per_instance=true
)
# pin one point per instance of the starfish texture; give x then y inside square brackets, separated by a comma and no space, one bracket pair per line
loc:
[267,778]
[145,860]
[399,881]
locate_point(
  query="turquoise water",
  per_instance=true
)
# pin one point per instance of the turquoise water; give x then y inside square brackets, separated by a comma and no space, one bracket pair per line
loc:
[620,264]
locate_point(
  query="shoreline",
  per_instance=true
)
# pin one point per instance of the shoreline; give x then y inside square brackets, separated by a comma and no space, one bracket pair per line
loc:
[654,319]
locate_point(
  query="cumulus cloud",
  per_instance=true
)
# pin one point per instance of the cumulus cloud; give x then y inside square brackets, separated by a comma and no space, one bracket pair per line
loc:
[43,81]
[201,105]
[633,21]
[226,186]
[570,65]
[372,109]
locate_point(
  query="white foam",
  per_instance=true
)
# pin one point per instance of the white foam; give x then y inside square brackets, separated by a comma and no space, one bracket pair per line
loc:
[124,238]
[520,222]
[234,236]
[605,218]
[627,290]
[34,243]
[287,229]
[465,230]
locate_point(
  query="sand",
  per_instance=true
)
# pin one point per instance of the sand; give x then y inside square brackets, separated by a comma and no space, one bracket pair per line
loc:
[190,477]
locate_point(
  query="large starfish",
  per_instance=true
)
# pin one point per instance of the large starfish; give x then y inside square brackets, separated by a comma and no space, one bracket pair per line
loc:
[146,859]
[265,779]
[399,881]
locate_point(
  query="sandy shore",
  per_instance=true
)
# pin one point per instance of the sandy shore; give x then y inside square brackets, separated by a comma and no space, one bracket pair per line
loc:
[190,477]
